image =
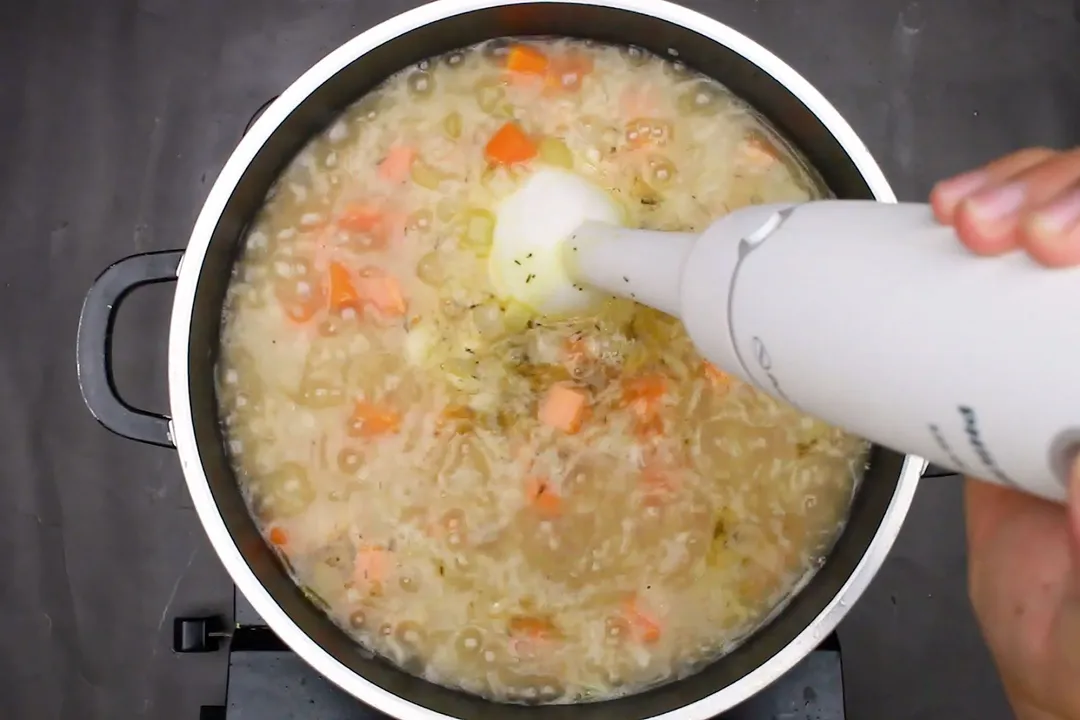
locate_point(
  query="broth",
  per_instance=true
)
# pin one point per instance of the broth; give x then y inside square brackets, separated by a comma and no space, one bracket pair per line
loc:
[529,509]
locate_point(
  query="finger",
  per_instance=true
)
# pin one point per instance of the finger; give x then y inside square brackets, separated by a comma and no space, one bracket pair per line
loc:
[947,195]
[1074,513]
[1051,233]
[986,505]
[989,221]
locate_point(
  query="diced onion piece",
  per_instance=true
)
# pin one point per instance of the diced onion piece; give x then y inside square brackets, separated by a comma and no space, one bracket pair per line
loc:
[479,230]
[426,176]
[490,96]
[430,269]
[554,151]
[418,344]
[452,125]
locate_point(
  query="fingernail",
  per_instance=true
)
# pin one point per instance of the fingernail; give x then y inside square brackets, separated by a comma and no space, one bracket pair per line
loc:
[1058,216]
[956,189]
[990,206]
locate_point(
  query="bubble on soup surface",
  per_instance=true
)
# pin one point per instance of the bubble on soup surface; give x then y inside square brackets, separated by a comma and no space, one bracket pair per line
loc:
[661,171]
[349,460]
[470,643]
[409,583]
[318,393]
[496,50]
[453,527]
[411,636]
[419,220]
[358,620]
[677,69]
[287,491]
[704,98]
[338,132]
[421,84]
[617,630]
[649,131]
[530,688]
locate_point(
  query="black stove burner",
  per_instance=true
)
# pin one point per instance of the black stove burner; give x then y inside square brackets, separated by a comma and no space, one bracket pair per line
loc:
[269,682]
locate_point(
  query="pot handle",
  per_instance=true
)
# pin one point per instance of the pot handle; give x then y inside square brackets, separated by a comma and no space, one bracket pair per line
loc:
[94,345]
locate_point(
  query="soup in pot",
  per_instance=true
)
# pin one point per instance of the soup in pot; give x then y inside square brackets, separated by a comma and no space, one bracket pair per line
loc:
[532,509]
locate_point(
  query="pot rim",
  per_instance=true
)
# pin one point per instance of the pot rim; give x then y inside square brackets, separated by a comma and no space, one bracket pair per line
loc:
[182,424]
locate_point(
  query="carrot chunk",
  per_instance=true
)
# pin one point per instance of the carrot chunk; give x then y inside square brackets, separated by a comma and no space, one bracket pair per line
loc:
[300,311]
[383,291]
[371,420]
[374,226]
[644,397]
[278,536]
[759,152]
[300,299]
[648,389]
[537,628]
[525,59]
[395,167]
[510,145]
[640,100]
[575,353]
[567,72]
[657,480]
[645,627]
[542,498]
[360,217]
[372,564]
[720,380]
[564,408]
[342,293]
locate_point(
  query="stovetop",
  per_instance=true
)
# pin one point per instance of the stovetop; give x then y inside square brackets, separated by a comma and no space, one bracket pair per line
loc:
[267,681]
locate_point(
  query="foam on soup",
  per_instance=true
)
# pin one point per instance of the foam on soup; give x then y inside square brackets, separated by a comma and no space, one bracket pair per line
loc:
[532,510]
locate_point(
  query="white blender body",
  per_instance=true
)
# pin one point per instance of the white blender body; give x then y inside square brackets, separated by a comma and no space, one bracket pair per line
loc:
[874,318]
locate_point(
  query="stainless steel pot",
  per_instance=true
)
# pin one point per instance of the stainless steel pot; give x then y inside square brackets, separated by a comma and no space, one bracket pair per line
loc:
[201,273]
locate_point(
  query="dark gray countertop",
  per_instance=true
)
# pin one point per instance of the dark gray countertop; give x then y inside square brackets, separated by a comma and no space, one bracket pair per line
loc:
[115,116]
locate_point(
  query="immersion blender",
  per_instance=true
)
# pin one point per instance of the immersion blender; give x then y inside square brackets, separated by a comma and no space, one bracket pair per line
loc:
[870,316]
[874,318]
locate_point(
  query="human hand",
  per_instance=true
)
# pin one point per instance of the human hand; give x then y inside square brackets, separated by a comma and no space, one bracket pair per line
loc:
[1024,552]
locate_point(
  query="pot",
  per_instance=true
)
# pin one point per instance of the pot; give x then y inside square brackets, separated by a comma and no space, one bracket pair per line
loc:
[201,272]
